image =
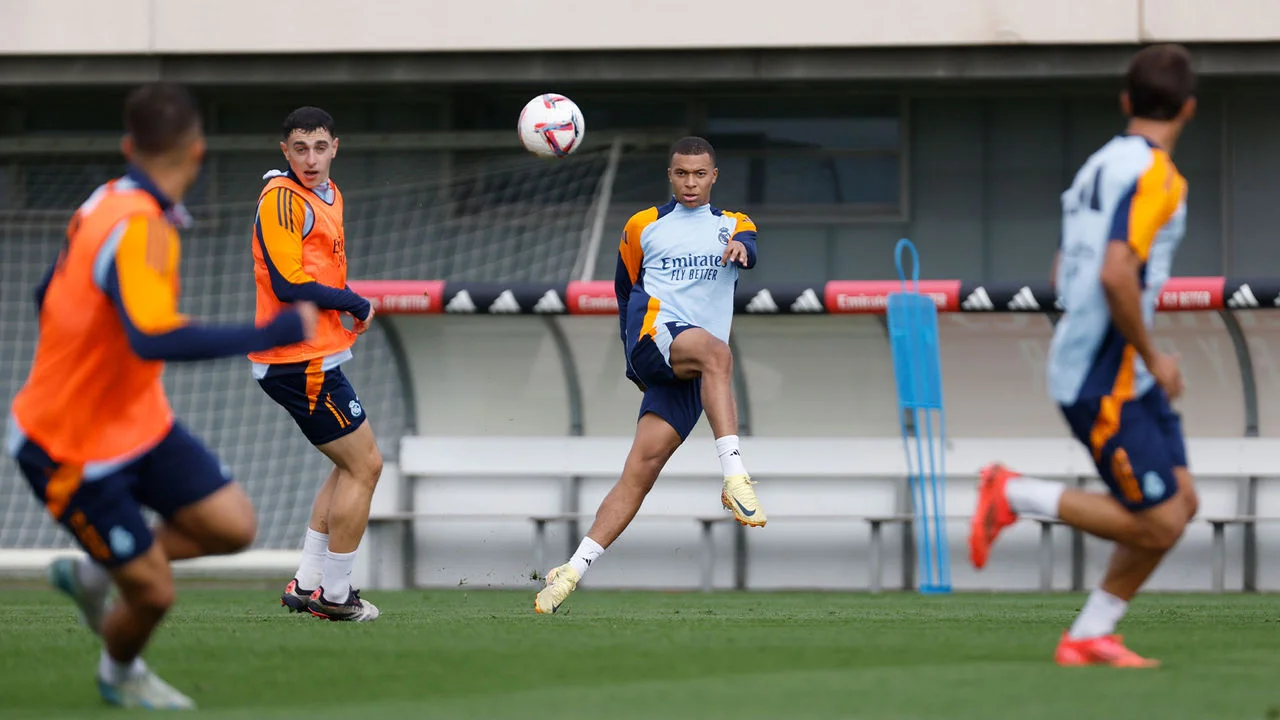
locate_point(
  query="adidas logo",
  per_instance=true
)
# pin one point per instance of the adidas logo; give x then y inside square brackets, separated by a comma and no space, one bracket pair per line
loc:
[762,303]
[506,303]
[978,300]
[461,303]
[808,302]
[549,303]
[1244,298]
[1024,300]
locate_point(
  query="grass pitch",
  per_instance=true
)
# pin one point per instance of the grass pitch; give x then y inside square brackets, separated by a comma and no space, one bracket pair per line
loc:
[474,654]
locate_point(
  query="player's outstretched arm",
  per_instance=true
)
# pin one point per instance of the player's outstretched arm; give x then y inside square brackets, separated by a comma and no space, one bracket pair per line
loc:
[281,224]
[138,269]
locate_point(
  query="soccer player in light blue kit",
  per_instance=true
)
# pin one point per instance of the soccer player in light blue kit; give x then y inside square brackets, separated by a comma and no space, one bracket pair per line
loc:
[1123,218]
[677,271]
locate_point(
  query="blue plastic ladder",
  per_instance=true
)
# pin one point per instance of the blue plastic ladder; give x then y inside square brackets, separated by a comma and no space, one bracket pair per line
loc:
[913,340]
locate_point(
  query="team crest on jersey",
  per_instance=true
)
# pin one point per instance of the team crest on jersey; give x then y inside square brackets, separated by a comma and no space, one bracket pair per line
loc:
[122,542]
[354,407]
[724,236]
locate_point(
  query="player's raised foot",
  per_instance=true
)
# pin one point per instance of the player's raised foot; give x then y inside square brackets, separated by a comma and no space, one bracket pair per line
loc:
[294,597]
[560,582]
[1105,650]
[145,690]
[91,603]
[993,513]
[354,609]
[740,499]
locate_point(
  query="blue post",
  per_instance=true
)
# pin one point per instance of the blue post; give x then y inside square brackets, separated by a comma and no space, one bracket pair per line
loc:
[913,340]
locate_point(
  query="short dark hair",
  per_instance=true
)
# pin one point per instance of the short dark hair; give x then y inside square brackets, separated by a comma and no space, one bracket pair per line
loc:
[308,119]
[1160,81]
[160,117]
[691,145]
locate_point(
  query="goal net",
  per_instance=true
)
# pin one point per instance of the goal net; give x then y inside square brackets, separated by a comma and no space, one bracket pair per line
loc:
[481,215]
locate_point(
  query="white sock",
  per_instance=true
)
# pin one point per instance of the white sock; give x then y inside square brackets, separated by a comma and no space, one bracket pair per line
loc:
[337,576]
[587,553]
[730,457]
[1099,617]
[1033,496]
[311,568]
[92,576]
[114,673]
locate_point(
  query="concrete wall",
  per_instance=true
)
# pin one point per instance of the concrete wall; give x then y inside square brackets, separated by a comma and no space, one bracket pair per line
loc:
[985,171]
[251,26]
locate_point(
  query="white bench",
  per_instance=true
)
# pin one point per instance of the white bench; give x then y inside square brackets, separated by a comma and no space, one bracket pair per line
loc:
[778,458]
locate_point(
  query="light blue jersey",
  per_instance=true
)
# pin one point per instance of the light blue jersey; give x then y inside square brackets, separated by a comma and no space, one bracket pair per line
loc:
[1129,191]
[671,273]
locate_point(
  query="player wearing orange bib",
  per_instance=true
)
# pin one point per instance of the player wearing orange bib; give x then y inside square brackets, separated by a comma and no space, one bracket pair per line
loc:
[92,430]
[299,253]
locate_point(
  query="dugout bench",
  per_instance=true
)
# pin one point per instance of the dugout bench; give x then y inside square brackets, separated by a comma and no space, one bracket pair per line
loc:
[576,458]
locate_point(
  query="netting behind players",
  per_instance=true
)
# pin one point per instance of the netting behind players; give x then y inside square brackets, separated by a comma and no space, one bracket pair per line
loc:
[499,217]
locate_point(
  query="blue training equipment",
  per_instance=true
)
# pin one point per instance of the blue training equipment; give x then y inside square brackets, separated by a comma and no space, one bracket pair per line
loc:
[913,339]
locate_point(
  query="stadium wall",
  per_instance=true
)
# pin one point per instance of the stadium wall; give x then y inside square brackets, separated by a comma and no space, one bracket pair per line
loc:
[144,27]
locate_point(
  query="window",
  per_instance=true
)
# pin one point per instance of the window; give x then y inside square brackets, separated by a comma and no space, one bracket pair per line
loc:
[800,154]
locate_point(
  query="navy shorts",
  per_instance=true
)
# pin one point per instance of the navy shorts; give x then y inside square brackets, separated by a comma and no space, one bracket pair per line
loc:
[103,509]
[677,401]
[1135,448]
[321,402]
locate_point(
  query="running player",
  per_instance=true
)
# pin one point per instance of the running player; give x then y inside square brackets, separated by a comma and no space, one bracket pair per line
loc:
[299,253]
[678,266]
[92,429]
[1123,218]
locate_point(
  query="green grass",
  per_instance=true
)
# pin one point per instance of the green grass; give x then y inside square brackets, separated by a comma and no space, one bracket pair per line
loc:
[464,654]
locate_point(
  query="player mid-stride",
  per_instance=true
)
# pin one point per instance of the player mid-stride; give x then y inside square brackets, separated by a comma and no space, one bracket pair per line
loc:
[299,253]
[678,267]
[92,429]
[1123,218]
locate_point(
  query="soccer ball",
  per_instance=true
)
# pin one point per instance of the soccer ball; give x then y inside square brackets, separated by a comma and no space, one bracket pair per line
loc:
[551,125]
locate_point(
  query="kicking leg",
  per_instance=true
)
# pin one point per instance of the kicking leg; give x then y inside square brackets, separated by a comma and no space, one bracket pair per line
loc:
[655,441]
[696,353]
[358,464]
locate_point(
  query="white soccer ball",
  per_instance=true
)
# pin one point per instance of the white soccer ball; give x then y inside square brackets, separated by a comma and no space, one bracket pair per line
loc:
[551,125]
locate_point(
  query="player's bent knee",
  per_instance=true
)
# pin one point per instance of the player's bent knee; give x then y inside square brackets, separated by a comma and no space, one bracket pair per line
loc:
[1162,533]
[156,598]
[718,360]
[374,465]
[649,464]
[222,523]
[357,456]
[1187,492]
[1191,501]
[146,584]
[656,441]
[237,535]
